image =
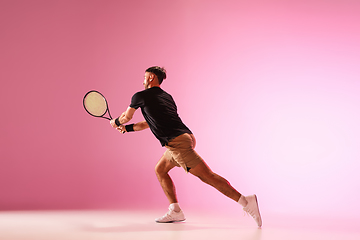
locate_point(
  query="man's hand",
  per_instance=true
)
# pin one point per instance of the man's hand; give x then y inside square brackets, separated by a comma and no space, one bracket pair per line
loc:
[120,128]
[124,118]
[112,123]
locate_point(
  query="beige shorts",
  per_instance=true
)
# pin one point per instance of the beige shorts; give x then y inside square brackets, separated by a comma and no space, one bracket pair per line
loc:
[180,151]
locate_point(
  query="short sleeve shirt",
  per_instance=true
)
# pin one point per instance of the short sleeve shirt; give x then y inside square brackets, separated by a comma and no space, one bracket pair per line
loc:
[160,112]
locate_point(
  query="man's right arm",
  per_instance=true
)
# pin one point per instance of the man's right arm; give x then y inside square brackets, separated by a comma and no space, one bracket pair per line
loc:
[140,126]
[136,127]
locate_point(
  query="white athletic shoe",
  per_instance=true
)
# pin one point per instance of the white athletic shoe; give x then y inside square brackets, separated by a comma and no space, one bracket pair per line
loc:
[171,216]
[252,208]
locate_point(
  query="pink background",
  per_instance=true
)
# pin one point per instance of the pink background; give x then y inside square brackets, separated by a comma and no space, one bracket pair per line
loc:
[271,90]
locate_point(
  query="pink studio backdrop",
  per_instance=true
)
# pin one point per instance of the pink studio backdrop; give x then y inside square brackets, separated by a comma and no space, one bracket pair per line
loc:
[271,90]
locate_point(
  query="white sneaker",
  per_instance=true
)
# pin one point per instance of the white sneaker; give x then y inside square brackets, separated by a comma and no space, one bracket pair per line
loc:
[252,208]
[171,216]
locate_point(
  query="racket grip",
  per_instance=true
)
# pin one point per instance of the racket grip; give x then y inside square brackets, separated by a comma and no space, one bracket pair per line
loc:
[117,122]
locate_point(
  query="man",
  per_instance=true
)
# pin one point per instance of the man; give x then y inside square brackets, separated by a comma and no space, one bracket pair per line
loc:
[160,113]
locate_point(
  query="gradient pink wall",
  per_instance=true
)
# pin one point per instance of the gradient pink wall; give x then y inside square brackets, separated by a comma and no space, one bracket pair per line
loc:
[271,90]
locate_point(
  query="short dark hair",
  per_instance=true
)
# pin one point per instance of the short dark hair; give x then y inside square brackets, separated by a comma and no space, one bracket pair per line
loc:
[158,71]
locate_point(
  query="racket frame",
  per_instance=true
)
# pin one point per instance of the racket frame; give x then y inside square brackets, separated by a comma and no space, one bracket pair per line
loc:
[107,106]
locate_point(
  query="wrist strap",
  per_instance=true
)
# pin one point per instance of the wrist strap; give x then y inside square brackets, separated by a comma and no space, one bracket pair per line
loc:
[130,128]
[117,122]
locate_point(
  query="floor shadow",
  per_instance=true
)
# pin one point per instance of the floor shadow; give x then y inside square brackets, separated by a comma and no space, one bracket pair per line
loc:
[137,227]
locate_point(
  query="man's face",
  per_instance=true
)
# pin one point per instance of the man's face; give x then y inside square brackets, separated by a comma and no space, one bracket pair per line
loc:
[146,82]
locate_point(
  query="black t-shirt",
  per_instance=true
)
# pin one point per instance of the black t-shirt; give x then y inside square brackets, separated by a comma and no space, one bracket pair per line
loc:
[160,112]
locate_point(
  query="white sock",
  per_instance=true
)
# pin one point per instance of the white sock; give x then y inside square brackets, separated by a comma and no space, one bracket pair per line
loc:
[242,201]
[175,207]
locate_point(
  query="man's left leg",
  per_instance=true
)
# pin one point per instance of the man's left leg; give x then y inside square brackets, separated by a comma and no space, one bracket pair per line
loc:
[250,205]
[202,171]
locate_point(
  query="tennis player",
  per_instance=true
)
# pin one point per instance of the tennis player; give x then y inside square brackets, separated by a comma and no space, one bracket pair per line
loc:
[160,113]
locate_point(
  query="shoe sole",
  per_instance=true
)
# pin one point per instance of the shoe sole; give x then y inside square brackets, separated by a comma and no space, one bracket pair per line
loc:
[257,205]
[171,221]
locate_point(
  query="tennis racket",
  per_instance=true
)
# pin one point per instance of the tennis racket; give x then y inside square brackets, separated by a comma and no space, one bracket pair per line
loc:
[96,105]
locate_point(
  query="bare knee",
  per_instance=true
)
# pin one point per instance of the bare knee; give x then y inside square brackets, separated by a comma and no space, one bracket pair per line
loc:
[206,177]
[159,170]
[203,172]
[163,167]
[212,178]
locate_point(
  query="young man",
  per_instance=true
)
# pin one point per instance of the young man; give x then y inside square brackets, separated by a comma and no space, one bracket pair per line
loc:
[160,113]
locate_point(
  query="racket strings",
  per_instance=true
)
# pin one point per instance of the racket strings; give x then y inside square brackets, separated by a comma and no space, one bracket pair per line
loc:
[95,104]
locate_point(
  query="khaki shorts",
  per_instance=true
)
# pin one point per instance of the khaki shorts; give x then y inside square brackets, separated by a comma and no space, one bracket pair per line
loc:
[180,151]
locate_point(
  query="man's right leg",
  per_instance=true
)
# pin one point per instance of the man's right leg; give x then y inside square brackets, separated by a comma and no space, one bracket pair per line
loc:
[174,214]
[162,169]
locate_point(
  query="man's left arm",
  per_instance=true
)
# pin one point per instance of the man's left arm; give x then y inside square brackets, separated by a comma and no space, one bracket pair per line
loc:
[124,117]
